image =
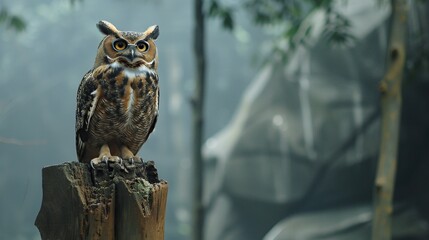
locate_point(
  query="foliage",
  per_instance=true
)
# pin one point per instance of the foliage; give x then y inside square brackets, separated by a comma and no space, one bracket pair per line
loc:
[337,28]
[11,21]
[289,16]
[16,22]
[223,12]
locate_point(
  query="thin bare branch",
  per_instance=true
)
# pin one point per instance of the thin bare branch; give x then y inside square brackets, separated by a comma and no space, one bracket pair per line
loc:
[13,141]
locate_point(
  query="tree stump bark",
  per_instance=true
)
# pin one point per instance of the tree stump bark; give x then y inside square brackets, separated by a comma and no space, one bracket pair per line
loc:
[107,203]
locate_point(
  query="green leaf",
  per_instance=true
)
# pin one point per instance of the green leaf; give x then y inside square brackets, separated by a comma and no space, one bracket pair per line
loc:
[223,12]
[337,29]
[17,23]
[228,21]
[308,31]
[213,9]
[11,21]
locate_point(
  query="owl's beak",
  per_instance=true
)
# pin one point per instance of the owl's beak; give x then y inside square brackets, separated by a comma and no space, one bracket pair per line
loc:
[133,53]
[131,56]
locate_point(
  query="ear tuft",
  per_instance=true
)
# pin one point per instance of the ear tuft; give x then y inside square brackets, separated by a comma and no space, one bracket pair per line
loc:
[153,32]
[107,28]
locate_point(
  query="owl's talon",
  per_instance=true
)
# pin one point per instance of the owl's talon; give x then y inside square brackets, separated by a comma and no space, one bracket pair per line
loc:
[105,159]
[92,165]
[94,162]
[133,162]
[139,162]
[116,160]
[129,164]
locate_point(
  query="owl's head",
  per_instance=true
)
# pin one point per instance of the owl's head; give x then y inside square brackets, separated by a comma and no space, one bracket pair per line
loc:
[128,49]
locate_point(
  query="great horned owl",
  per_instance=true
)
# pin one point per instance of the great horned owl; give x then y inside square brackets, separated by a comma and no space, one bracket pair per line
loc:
[117,100]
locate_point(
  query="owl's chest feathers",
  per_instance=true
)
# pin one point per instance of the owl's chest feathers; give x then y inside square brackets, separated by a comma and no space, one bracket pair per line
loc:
[128,97]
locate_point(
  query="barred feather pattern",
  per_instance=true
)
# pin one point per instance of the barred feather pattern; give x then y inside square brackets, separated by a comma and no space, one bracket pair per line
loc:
[116,108]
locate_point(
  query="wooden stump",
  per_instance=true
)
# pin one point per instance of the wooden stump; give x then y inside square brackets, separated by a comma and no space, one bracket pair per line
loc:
[112,204]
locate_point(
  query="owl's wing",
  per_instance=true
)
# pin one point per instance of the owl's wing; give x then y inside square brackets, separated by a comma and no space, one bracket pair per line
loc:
[152,126]
[87,99]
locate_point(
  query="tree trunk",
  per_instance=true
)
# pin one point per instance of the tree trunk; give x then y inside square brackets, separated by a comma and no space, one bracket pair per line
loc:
[198,122]
[390,88]
[79,203]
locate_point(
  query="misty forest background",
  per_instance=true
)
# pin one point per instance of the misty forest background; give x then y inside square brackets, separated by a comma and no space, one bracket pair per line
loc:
[41,68]
[46,47]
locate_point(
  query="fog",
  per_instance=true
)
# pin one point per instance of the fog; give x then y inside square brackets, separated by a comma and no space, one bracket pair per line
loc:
[42,66]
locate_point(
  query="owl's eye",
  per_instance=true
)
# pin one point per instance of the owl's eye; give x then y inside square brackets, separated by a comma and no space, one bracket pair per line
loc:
[142,46]
[120,44]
